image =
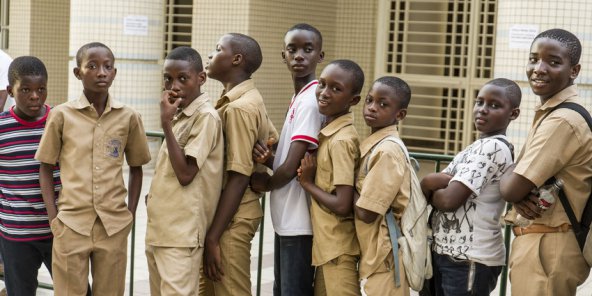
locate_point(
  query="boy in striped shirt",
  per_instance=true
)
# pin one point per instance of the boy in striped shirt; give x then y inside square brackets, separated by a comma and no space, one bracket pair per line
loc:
[25,236]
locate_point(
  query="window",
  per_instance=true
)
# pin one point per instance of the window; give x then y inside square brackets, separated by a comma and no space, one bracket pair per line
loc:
[177,24]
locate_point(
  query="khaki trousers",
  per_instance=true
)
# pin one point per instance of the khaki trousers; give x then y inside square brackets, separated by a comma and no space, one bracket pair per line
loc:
[338,277]
[174,271]
[235,245]
[382,282]
[547,264]
[72,253]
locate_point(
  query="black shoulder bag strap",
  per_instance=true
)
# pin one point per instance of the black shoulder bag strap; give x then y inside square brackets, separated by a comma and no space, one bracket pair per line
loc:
[580,228]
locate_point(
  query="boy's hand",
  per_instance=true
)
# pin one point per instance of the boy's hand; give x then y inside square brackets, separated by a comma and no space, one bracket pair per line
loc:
[213,261]
[307,170]
[528,207]
[262,152]
[433,182]
[259,181]
[168,105]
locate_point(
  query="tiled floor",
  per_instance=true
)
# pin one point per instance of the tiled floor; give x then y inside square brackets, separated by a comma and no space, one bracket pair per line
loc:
[141,286]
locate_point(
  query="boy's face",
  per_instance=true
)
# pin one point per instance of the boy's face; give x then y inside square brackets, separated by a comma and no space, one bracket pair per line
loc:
[549,70]
[382,107]
[334,92]
[97,70]
[30,93]
[302,52]
[220,61]
[181,77]
[493,111]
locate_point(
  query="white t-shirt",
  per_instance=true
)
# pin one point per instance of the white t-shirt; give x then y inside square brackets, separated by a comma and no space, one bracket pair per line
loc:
[474,231]
[290,204]
[5,61]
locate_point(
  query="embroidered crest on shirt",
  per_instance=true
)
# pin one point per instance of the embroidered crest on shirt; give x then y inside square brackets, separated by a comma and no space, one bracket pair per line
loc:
[113,147]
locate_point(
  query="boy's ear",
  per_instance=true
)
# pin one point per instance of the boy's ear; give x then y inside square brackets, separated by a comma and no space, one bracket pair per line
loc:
[76,71]
[284,57]
[355,100]
[237,59]
[401,114]
[575,71]
[9,90]
[515,113]
[321,57]
[201,78]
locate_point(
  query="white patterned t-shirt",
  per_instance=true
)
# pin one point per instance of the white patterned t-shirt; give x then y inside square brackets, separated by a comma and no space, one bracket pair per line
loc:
[473,231]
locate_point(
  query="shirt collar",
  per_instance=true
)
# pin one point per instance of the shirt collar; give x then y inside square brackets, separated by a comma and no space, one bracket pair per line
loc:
[83,102]
[194,106]
[558,98]
[239,90]
[376,137]
[337,124]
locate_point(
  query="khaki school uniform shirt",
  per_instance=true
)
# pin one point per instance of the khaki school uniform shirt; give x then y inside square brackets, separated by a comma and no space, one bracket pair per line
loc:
[178,216]
[90,151]
[383,183]
[337,162]
[562,147]
[245,120]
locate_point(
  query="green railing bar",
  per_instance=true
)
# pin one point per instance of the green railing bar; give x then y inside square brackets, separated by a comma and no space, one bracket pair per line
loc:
[417,155]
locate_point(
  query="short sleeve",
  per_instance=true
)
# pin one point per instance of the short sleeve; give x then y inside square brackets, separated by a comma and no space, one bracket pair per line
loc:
[386,172]
[241,134]
[550,149]
[50,144]
[202,138]
[344,156]
[482,163]
[307,123]
[136,148]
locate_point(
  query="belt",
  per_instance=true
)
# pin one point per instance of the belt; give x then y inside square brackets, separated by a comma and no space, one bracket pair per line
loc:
[540,228]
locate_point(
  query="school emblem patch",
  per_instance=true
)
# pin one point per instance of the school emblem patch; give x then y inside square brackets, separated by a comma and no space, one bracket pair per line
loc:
[113,148]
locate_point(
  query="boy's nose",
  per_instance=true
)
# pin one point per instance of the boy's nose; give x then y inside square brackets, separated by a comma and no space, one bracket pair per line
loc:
[539,67]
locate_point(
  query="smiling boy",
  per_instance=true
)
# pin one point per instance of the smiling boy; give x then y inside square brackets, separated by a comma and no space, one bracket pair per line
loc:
[545,257]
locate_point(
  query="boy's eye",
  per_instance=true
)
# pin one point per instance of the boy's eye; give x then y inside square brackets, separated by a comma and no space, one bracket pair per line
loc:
[532,60]
[308,49]
[24,90]
[368,100]
[478,102]
[182,78]
[383,104]
[167,79]
[335,89]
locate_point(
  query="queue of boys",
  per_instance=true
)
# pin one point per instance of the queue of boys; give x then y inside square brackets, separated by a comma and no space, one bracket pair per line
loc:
[62,201]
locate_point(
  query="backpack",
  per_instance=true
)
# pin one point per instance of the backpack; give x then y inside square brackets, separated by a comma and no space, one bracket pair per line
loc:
[414,237]
[581,229]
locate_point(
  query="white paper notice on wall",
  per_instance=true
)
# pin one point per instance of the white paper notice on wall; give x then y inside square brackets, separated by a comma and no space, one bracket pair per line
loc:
[136,25]
[521,36]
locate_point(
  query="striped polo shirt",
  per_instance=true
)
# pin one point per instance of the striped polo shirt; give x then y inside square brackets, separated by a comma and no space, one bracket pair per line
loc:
[23,216]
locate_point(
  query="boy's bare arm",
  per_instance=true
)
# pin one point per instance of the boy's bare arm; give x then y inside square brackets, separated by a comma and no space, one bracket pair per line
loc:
[433,182]
[185,167]
[339,203]
[514,187]
[48,189]
[288,169]
[452,197]
[134,188]
[227,206]
[363,214]
[263,154]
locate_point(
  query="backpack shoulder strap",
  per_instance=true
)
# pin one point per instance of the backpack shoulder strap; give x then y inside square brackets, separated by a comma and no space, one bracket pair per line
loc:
[510,146]
[580,229]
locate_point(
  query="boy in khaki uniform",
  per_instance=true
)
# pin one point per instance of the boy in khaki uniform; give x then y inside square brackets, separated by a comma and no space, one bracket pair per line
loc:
[89,137]
[335,248]
[382,183]
[227,257]
[187,178]
[545,257]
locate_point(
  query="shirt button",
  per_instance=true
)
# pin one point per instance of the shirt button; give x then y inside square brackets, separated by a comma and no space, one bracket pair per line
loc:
[99,124]
[97,168]
[97,187]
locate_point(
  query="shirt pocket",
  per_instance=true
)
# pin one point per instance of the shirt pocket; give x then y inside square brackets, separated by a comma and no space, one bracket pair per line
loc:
[114,146]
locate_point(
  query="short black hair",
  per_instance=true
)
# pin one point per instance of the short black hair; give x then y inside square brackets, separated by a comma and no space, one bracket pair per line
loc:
[307,27]
[25,66]
[399,86]
[84,48]
[249,48]
[513,92]
[186,53]
[355,70]
[569,40]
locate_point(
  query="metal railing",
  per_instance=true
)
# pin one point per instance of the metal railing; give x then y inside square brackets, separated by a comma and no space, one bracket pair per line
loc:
[423,157]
